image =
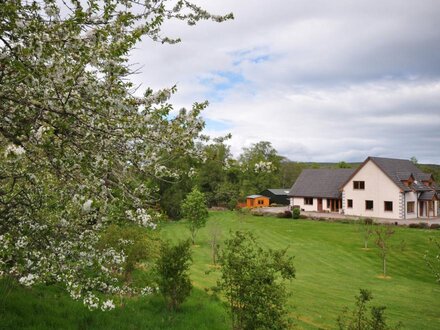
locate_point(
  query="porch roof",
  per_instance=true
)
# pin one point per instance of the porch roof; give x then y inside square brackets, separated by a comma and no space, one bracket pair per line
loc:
[429,196]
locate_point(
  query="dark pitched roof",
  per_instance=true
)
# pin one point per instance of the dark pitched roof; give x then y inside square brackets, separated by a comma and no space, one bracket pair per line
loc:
[282,191]
[393,168]
[320,182]
[425,176]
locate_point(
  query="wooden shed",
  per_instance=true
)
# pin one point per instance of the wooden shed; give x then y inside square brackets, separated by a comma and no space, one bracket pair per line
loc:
[253,201]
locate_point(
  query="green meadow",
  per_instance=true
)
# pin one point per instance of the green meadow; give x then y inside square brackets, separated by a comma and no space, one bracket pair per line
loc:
[331,267]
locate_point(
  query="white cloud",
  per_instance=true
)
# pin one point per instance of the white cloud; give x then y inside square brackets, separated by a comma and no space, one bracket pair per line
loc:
[322,80]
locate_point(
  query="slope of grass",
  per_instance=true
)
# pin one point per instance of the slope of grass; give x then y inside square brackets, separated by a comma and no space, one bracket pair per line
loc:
[331,268]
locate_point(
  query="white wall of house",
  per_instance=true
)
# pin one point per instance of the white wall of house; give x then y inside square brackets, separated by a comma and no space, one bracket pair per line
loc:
[378,188]
[299,201]
[411,197]
[324,205]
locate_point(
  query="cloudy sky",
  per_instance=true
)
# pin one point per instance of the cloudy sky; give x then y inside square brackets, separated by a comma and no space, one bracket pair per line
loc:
[321,80]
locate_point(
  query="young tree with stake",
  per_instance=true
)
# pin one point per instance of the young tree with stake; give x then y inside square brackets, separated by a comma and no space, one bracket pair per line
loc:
[383,234]
[195,211]
[366,227]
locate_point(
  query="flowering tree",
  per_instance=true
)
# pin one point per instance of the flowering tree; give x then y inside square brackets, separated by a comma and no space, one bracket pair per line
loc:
[260,165]
[75,143]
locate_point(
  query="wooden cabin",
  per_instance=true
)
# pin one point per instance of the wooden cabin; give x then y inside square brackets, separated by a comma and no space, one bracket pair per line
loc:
[254,201]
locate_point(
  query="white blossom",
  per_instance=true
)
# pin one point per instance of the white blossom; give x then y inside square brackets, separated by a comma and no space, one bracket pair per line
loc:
[27,280]
[263,166]
[87,206]
[40,132]
[14,150]
[107,305]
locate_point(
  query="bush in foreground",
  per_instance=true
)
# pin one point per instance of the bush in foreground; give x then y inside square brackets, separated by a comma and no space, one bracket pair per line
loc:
[251,282]
[172,269]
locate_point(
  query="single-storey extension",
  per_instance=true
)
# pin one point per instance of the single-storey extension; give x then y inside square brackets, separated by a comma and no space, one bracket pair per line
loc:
[318,189]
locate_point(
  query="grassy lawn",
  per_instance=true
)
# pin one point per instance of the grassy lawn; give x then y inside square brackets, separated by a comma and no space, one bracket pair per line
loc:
[331,268]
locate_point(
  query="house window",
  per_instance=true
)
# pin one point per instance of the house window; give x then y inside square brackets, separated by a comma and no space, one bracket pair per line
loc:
[410,207]
[328,203]
[350,203]
[308,201]
[388,206]
[369,205]
[260,202]
[359,185]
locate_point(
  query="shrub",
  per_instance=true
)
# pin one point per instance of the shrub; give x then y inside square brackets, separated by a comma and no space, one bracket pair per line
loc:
[138,245]
[359,319]
[251,283]
[421,225]
[285,215]
[435,226]
[368,221]
[172,269]
[296,212]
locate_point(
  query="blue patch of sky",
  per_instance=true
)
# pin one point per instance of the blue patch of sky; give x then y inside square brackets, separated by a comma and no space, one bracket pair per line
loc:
[223,81]
[217,87]
[216,125]
[255,55]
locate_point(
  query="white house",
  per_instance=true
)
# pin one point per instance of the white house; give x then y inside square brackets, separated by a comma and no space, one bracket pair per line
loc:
[379,187]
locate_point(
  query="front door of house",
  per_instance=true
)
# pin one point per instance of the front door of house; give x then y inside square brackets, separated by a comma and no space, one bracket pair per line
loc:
[319,204]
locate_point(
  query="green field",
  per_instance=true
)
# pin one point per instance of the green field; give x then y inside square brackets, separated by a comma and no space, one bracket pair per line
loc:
[331,268]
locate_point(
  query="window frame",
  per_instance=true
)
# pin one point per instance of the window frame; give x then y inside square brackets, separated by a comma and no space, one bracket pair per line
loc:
[412,208]
[358,185]
[349,203]
[366,205]
[307,200]
[385,203]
